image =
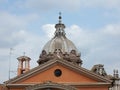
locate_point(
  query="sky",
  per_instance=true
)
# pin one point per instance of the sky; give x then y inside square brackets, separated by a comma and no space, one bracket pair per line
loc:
[27,25]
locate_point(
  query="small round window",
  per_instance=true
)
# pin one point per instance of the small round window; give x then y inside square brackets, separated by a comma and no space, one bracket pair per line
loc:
[58,72]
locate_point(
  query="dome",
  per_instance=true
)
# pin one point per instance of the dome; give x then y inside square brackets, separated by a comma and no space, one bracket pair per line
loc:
[59,43]
[60,47]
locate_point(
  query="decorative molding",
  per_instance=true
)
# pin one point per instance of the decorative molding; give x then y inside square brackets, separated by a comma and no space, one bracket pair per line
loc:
[58,54]
[50,85]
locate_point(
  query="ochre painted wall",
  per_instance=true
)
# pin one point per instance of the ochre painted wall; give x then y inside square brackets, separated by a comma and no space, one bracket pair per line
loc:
[68,76]
[0,86]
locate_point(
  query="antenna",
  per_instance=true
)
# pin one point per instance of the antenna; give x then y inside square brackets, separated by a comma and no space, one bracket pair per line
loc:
[24,53]
[10,53]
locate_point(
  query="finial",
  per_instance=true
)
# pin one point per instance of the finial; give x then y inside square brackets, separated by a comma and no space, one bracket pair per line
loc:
[60,17]
[60,27]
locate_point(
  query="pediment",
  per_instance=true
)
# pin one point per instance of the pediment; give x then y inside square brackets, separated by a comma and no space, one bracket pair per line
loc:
[71,73]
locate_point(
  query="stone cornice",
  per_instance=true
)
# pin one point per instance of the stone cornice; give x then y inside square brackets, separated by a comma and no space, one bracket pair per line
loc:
[68,84]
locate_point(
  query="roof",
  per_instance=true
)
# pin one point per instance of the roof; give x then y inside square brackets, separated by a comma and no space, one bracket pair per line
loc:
[64,63]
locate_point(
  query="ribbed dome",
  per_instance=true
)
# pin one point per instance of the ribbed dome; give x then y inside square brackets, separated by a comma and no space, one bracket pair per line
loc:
[60,47]
[59,43]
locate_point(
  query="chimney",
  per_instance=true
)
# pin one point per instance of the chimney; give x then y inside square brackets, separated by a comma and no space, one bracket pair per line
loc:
[116,74]
[23,64]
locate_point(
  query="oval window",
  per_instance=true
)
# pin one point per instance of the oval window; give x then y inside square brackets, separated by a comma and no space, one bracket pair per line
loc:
[58,72]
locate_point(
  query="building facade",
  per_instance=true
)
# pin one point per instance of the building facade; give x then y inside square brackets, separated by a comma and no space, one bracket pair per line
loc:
[60,68]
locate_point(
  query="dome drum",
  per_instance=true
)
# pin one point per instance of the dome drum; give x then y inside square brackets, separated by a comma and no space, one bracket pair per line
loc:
[58,54]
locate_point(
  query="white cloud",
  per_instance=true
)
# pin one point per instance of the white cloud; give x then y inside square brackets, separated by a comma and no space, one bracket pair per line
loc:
[14,34]
[12,28]
[112,29]
[3,1]
[12,21]
[32,46]
[47,5]
[109,4]
[63,4]
[49,29]
[68,5]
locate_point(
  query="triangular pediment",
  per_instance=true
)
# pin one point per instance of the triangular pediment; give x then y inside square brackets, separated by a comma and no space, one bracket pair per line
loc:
[70,73]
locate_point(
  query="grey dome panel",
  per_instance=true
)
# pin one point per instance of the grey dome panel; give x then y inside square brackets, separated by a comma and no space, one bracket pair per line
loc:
[62,43]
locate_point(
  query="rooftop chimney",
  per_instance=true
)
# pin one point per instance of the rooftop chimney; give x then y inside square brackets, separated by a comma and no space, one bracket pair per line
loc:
[23,65]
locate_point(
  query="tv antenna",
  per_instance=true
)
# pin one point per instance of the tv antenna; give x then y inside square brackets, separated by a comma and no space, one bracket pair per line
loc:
[10,54]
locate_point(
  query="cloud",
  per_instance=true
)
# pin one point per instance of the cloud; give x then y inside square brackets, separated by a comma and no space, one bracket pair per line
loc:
[108,4]
[42,6]
[27,42]
[112,29]
[68,5]
[84,36]
[47,5]
[15,34]
[16,21]
[10,20]
[12,28]
[49,29]
[3,1]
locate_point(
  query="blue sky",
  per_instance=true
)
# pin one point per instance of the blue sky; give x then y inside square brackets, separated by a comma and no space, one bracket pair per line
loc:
[93,26]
